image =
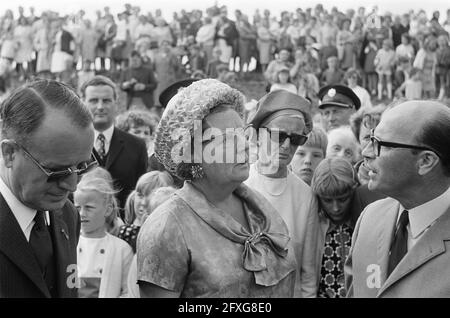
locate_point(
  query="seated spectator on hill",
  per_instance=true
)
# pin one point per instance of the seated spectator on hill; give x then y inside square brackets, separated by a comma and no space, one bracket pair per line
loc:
[212,67]
[274,66]
[283,82]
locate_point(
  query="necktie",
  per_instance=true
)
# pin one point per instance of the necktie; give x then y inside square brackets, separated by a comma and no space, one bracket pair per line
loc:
[41,243]
[101,146]
[399,245]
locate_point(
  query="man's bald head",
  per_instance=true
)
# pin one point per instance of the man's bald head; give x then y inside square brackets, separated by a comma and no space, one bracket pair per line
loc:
[427,122]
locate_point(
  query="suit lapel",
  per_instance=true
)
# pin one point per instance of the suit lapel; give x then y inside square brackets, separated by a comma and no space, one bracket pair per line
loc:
[14,245]
[385,233]
[114,148]
[60,238]
[430,245]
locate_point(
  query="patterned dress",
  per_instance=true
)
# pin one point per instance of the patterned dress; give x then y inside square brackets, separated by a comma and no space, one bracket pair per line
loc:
[337,246]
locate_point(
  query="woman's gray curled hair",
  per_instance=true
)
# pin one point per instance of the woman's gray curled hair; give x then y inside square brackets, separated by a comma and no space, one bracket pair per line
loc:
[176,127]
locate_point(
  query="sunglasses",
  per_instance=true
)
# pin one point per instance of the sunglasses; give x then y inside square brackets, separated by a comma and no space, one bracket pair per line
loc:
[56,175]
[280,137]
[377,144]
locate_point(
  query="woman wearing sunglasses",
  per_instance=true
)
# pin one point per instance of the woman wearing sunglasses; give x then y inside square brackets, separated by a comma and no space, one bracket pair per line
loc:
[281,123]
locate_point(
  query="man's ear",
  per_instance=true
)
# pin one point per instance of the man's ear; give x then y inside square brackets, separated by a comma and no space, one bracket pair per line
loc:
[8,152]
[426,162]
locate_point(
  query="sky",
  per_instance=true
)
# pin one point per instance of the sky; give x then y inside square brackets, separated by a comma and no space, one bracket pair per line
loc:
[246,6]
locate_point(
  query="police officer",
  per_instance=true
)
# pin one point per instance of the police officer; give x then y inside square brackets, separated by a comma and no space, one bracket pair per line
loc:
[337,104]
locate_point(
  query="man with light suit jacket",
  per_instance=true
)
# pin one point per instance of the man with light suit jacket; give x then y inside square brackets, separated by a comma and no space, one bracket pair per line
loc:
[401,244]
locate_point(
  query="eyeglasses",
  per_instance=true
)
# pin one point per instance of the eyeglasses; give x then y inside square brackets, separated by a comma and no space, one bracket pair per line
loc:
[56,175]
[377,143]
[280,137]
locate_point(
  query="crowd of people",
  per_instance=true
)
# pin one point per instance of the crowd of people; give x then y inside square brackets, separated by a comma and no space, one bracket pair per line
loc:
[312,191]
[389,55]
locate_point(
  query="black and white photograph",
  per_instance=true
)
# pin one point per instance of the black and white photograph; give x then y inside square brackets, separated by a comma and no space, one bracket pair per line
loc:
[237,150]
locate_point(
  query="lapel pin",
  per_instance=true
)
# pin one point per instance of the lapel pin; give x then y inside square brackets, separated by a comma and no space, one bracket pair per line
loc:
[65,234]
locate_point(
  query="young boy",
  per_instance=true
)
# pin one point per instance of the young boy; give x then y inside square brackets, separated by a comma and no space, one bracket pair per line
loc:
[332,75]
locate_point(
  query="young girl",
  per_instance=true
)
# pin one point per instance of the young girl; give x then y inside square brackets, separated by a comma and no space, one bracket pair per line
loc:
[334,183]
[136,207]
[412,86]
[384,62]
[283,82]
[155,199]
[103,259]
[370,78]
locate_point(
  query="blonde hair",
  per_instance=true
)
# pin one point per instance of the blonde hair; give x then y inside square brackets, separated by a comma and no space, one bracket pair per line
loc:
[100,181]
[147,183]
[317,138]
[334,177]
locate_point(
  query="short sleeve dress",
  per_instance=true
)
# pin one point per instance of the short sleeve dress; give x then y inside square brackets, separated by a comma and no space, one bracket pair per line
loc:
[189,246]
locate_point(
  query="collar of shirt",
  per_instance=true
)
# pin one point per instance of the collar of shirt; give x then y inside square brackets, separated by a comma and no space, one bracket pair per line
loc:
[423,216]
[108,136]
[23,214]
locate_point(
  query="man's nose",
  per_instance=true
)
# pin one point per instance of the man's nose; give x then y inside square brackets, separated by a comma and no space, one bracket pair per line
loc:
[367,152]
[69,183]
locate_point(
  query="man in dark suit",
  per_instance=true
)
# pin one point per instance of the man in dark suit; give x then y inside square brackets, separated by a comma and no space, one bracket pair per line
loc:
[47,137]
[122,154]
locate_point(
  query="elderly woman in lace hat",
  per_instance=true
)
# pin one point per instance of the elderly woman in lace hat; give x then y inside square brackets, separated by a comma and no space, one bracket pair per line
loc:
[215,237]
[283,122]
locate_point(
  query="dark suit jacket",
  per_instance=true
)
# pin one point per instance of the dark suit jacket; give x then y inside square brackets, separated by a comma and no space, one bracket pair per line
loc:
[19,271]
[126,161]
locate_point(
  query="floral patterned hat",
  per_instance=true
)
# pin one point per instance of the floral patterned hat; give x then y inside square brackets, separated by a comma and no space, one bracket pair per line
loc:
[190,105]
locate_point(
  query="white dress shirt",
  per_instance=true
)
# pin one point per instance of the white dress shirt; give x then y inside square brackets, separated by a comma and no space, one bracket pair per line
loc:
[23,214]
[421,218]
[108,136]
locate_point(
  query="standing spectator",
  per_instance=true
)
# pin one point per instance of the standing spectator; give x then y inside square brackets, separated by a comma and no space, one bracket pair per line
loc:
[197,59]
[103,260]
[326,51]
[39,226]
[122,154]
[88,42]
[23,34]
[247,39]
[426,61]
[342,143]
[384,64]
[166,67]
[43,44]
[334,183]
[328,29]
[139,82]
[137,206]
[337,104]
[201,251]
[398,29]
[352,77]
[226,33]
[405,49]
[368,57]
[309,155]
[414,173]
[346,50]
[412,86]
[205,37]
[63,49]
[100,45]
[443,66]
[264,42]
[162,32]
[284,118]
[211,68]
